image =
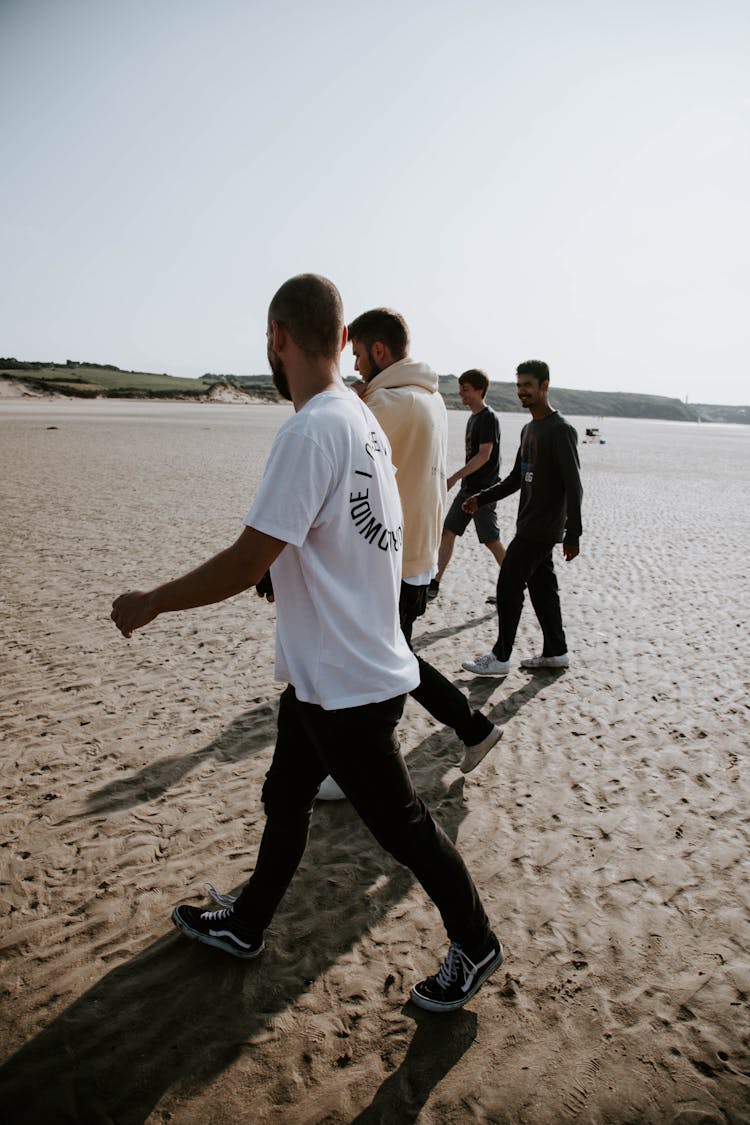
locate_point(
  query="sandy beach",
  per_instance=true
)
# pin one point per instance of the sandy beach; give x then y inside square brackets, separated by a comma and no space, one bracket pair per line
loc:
[608,831]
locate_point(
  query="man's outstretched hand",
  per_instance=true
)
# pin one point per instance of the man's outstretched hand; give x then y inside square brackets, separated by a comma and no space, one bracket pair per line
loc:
[132,611]
[233,570]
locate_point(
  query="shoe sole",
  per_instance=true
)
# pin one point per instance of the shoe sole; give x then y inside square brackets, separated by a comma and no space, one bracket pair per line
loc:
[543,667]
[473,756]
[217,943]
[435,1006]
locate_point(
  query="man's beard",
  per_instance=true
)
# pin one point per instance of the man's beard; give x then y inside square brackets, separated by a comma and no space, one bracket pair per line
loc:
[374,369]
[278,374]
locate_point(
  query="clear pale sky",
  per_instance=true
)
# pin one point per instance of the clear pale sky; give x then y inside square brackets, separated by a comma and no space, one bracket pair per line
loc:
[557,179]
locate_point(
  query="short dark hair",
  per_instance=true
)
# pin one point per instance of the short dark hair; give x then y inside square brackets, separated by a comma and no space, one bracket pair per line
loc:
[537,368]
[310,308]
[477,379]
[385,326]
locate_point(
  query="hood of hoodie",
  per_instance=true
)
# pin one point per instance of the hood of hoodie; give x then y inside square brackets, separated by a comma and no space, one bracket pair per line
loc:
[404,373]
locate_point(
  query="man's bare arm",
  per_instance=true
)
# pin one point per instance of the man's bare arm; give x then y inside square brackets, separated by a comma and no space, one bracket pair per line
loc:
[230,572]
[481,457]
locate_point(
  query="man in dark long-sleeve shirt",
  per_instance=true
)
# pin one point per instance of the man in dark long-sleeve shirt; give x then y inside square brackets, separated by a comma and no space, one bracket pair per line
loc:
[546,471]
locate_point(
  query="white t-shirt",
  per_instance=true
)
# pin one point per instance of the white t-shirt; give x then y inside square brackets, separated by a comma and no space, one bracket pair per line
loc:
[329,492]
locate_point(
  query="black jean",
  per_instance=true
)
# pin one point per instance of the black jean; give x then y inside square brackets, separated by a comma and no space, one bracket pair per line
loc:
[358,747]
[528,565]
[435,693]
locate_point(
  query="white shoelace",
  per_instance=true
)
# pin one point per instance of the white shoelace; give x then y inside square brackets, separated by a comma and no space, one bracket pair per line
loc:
[219,898]
[455,958]
[218,915]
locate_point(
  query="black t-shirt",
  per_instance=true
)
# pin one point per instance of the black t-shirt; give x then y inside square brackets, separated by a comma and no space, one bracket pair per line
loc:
[482,428]
[547,472]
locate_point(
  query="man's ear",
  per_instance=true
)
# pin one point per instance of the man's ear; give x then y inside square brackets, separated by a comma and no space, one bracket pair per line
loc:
[344,337]
[381,354]
[278,335]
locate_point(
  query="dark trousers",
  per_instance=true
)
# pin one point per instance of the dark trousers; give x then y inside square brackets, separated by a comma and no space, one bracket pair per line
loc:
[358,747]
[528,565]
[439,697]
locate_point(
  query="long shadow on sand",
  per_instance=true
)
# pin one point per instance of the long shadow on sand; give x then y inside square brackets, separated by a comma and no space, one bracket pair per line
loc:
[178,1014]
[248,734]
[429,637]
[436,1047]
[175,1016]
[479,690]
[253,732]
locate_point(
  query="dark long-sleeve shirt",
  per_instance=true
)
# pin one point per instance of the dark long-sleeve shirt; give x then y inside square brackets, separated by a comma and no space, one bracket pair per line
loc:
[547,472]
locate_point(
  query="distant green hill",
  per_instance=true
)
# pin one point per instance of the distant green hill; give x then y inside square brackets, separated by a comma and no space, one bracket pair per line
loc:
[589,404]
[96,380]
[99,380]
[708,413]
[594,404]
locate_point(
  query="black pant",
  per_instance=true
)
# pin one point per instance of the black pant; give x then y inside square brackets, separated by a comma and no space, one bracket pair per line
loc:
[439,696]
[528,565]
[358,747]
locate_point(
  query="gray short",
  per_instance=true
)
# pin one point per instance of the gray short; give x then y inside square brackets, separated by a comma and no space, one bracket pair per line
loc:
[485,520]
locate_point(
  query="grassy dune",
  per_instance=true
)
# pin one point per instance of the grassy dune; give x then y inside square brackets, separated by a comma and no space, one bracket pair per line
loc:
[92,381]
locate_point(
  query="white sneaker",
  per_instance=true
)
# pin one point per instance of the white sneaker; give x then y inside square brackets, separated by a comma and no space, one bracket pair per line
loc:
[473,755]
[487,665]
[330,791]
[546,661]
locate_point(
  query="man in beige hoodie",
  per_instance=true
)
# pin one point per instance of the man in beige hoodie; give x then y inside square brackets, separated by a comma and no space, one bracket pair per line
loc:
[404,396]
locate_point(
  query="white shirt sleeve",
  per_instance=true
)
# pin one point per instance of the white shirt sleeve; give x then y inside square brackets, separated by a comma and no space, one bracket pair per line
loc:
[296,482]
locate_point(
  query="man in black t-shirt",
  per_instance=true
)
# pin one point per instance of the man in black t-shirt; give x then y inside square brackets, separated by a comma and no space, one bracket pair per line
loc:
[482,470]
[547,474]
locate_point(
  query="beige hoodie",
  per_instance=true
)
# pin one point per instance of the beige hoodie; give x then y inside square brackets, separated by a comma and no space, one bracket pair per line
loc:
[406,401]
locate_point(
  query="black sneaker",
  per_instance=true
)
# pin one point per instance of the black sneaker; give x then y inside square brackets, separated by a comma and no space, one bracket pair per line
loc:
[218,928]
[457,979]
[433,590]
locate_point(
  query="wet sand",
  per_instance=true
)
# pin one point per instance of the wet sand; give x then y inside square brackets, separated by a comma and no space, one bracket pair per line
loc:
[608,831]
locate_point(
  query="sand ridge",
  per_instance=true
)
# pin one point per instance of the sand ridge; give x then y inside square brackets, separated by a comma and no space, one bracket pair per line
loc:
[608,831]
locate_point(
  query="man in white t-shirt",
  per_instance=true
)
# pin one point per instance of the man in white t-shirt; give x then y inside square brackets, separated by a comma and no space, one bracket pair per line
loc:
[327,521]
